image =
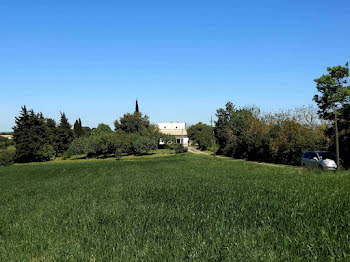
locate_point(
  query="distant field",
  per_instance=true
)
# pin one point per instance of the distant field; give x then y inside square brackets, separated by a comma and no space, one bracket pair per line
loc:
[176,207]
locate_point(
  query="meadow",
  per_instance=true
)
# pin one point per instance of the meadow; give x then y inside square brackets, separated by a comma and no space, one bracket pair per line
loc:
[172,208]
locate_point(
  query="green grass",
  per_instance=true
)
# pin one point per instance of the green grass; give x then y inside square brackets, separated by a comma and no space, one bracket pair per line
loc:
[172,208]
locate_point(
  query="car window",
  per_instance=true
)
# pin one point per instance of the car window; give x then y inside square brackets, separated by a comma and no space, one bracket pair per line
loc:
[327,155]
[306,155]
[312,155]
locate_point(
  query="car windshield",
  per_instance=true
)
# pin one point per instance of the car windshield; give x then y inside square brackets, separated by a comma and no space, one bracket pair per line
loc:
[326,155]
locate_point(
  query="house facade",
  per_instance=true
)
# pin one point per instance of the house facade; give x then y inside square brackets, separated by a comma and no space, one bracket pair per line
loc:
[7,136]
[175,129]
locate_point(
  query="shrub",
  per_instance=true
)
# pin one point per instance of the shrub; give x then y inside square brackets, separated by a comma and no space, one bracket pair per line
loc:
[118,154]
[180,149]
[65,155]
[7,157]
[79,146]
[143,145]
[46,152]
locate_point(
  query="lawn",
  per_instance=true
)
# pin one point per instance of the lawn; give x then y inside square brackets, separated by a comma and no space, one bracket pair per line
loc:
[173,208]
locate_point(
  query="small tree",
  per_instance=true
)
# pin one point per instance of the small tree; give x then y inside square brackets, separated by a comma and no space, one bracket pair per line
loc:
[335,94]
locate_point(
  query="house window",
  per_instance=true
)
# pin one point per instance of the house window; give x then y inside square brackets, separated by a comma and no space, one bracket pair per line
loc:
[178,140]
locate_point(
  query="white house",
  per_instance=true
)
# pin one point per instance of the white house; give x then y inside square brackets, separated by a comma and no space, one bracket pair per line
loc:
[176,129]
[7,136]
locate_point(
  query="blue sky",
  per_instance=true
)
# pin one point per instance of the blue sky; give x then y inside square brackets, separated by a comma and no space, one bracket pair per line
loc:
[181,59]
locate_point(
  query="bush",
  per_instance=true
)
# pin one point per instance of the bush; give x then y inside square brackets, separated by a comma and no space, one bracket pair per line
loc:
[143,145]
[79,146]
[7,157]
[65,155]
[180,149]
[118,154]
[46,153]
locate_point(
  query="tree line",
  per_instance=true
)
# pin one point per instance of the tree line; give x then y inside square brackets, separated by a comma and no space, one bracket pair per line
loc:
[283,136]
[37,138]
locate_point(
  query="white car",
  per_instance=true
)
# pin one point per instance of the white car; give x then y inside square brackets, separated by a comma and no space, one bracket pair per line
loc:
[319,159]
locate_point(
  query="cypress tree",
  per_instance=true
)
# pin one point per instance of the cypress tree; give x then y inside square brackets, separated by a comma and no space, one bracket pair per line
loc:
[78,129]
[64,134]
[137,107]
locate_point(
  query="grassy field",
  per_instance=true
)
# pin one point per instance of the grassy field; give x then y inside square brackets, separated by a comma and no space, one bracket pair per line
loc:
[172,208]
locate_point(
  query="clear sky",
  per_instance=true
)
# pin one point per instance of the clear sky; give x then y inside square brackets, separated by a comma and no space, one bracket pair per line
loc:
[181,59]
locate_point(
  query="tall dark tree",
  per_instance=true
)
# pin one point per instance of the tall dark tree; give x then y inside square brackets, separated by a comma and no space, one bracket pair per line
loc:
[30,135]
[51,132]
[64,134]
[137,107]
[78,129]
[335,95]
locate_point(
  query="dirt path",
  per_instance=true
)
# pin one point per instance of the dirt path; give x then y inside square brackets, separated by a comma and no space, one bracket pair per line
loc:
[194,150]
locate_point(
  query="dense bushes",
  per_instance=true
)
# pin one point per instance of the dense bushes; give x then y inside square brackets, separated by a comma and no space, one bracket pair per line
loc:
[7,156]
[202,135]
[109,143]
[179,149]
[38,138]
[5,142]
[143,145]
[281,137]
[46,153]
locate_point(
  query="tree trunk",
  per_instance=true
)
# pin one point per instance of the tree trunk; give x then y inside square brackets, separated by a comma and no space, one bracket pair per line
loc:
[336,137]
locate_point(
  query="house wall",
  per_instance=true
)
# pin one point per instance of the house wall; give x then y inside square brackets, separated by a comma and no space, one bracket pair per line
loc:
[172,125]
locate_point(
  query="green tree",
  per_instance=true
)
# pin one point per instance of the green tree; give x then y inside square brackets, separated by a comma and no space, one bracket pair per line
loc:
[101,128]
[229,129]
[51,132]
[143,145]
[334,96]
[30,134]
[132,123]
[64,134]
[78,129]
[202,134]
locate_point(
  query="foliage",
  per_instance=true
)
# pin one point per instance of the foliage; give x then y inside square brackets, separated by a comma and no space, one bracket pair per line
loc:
[86,130]
[132,123]
[107,143]
[30,134]
[143,145]
[78,129]
[64,134]
[281,137]
[5,142]
[79,146]
[46,152]
[168,140]
[221,210]
[334,90]
[65,155]
[118,154]
[179,149]
[7,156]
[202,134]
[101,128]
